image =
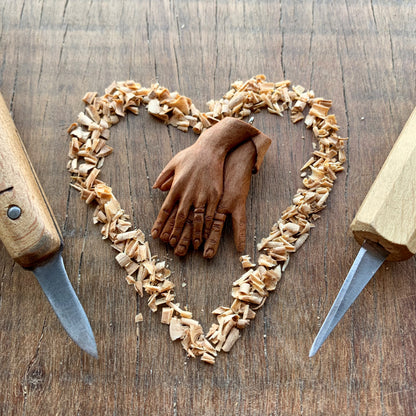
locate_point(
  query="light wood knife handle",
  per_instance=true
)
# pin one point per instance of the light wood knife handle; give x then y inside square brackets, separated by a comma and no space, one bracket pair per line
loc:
[388,213]
[33,236]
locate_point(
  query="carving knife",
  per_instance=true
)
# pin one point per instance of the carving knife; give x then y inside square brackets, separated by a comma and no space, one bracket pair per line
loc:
[385,225]
[30,234]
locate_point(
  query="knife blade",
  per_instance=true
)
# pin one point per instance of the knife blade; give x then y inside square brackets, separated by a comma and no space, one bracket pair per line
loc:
[368,260]
[65,303]
[385,225]
[30,233]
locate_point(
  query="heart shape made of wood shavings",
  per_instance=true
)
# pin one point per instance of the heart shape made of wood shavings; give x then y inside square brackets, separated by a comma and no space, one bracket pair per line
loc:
[89,137]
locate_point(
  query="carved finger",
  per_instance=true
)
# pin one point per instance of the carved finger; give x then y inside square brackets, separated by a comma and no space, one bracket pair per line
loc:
[167,184]
[180,219]
[239,227]
[166,173]
[198,225]
[164,214]
[209,218]
[167,229]
[213,241]
[185,239]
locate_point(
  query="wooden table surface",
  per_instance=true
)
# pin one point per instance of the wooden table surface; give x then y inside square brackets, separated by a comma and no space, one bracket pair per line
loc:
[361,55]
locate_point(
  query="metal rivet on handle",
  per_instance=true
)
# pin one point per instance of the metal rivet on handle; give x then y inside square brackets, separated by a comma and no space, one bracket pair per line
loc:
[14,212]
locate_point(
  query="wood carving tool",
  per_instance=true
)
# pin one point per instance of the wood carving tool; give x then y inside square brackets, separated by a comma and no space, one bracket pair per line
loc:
[385,225]
[30,234]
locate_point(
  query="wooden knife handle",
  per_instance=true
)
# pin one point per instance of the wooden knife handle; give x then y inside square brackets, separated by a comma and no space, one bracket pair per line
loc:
[388,213]
[34,235]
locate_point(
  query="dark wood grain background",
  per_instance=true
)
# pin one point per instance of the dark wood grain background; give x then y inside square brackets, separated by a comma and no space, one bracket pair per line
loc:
[362,55]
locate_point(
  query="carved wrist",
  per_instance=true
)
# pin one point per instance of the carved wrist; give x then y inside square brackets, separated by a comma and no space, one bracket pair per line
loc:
[227,134]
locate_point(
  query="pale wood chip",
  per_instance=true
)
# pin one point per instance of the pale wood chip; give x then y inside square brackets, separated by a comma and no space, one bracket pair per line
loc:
[297,116]
[156,110]
[93,114]
[249,313]
[138,318]
[142,253]
[128,235]
[300,241]
[130,280]
[272,277]
[74,148]
[131,267]
[244,289]
[198,127]
[254,298]
[208,358]
[84,120]
[183,313]
[237,100]
[103,192]
[319,110]
[167,314]
[105,151]
[322,199]
[138,286]
[242,323]
[246,262]
[176,329]
[89,97]
[298,89]
[286,263]
[189,322]
[207,346]
[291,228]
[341,155]
[182,103]
[221,310]
[212,330]
[151,303]
[204,120]
[231,339]
[123,260]
[244,277]
[91,178]
[84,168]
[267,261]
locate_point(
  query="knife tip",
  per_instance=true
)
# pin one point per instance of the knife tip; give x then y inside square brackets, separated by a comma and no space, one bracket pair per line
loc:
[312,352]
[94,353]
[90,349]
[314,349]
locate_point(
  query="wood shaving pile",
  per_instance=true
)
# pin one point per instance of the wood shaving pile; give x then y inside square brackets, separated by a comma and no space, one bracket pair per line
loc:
[89,147]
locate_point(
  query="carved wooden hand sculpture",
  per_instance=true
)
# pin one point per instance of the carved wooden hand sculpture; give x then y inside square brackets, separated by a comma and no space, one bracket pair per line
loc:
[238,169]
[195,179]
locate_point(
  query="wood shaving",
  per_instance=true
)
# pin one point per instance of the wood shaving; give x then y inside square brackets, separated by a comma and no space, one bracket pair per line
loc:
[246,262]
[138,318]
[89,137]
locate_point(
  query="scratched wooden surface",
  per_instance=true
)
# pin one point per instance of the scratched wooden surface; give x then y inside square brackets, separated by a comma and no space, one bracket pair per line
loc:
[362,55]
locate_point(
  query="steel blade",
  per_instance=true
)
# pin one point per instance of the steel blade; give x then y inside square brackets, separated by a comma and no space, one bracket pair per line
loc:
[368,260]
[54,281]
